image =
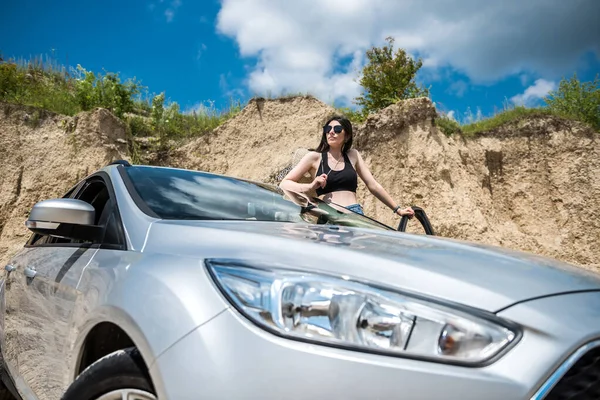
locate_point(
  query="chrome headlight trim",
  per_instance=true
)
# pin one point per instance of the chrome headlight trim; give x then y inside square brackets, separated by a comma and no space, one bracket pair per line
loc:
[472,312]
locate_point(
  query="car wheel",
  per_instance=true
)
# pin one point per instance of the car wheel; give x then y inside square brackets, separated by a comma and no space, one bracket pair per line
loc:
[117,376]
[5,394]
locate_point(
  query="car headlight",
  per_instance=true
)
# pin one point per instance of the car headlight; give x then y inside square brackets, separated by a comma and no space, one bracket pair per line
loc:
[354,315]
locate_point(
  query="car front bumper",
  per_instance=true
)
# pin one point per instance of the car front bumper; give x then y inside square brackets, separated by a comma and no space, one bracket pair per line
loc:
[231,358]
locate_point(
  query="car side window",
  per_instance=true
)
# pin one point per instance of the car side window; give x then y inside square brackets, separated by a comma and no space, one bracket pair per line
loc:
[97,194]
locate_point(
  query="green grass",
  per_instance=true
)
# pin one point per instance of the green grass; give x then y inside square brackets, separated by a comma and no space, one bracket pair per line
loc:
[42,82]
[38,82]
[448,125]
[205,118]
[481,124]
[502,118]
[572,100]
[355,116]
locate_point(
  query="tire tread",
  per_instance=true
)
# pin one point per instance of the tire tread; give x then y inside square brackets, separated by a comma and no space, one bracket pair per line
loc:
[117,370]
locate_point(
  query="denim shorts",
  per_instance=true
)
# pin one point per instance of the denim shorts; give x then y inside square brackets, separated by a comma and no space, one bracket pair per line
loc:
[356,208]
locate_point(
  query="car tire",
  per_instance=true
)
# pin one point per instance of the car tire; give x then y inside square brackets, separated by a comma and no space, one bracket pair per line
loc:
[5,394]
[117,372]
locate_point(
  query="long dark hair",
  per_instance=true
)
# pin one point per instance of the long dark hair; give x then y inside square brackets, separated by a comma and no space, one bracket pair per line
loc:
[347,125]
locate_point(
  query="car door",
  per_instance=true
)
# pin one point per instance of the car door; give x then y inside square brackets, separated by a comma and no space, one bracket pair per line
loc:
[41,296]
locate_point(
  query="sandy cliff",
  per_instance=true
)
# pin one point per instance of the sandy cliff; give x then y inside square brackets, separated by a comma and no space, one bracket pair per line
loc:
[42,155]
[533,185]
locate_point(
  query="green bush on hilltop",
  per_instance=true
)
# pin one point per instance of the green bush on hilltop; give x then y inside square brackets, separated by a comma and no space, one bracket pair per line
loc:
[45,84]
[387,78]
[577,100]
[573,100]
[37,83]
[105,91]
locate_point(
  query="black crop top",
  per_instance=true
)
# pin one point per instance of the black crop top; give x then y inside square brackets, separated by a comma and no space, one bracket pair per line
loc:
[345,179]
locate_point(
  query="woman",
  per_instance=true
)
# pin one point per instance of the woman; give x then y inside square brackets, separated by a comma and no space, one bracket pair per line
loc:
[335,166]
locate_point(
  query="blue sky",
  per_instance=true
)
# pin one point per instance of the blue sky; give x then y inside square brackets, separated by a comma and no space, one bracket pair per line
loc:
[476,54]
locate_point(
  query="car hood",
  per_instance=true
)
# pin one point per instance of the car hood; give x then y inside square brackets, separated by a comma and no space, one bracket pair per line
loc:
[477,275]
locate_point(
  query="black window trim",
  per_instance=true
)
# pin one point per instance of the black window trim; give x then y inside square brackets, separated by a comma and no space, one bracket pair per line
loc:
[133,193]
[76,190]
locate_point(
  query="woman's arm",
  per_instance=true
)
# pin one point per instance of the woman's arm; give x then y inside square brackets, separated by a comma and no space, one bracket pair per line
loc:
[376,189]
[290,182]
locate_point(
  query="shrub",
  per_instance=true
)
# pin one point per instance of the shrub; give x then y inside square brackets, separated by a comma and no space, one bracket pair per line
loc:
[38,84]
[158,108]
[139,126]
[447,125]
[105,91]
[578,100]
[388,78]
[10,80]
[356,117]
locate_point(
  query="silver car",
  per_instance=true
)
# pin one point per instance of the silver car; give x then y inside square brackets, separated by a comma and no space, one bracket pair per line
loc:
[160,283]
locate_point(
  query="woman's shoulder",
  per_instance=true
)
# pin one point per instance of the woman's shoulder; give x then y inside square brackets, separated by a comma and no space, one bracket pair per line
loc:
[353,154]
[313,154]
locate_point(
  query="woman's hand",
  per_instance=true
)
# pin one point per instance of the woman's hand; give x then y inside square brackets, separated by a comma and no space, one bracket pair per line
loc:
[319,182]
[407,211]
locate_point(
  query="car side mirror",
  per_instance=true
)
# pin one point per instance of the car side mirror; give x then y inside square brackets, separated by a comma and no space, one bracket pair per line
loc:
[64,218]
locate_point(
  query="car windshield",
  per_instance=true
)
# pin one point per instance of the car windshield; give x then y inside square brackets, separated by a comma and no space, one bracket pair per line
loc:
[193,195]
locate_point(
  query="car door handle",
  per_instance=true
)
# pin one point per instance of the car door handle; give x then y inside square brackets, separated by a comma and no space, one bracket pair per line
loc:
[29,272]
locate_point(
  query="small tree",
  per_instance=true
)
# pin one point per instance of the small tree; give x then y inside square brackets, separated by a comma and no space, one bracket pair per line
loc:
[388,78]
[158,109]
[85,89]
[578,100]
[108,92]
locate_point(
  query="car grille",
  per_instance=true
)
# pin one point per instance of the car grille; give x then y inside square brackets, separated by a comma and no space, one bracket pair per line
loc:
[582,381]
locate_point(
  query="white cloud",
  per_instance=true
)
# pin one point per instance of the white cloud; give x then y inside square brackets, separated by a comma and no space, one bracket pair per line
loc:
[170,12]
[458,88]
[201,51]
[228,88]
[298,44]
[450,115]
[534,92]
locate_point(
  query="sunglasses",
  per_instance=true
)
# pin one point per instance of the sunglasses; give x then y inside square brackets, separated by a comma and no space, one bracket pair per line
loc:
[336,129]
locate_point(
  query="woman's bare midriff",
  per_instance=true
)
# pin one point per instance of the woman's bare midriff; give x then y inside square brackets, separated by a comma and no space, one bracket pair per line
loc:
[343,198]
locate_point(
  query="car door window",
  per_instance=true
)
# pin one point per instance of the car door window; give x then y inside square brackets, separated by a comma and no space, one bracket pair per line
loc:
[97,194]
